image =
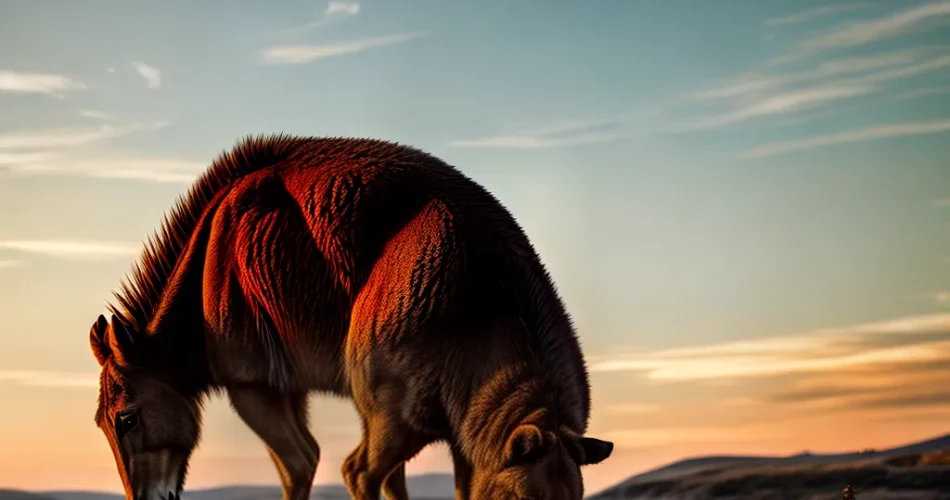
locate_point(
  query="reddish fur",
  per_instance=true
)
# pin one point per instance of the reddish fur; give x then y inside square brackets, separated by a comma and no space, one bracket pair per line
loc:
[363,269]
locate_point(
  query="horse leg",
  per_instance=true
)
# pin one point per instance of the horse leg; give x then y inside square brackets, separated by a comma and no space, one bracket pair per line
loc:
[463,475]
[280,421]
[394,486]
[383,450]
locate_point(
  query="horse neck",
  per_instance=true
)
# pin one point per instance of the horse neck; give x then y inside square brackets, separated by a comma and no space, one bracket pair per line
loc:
[177,329]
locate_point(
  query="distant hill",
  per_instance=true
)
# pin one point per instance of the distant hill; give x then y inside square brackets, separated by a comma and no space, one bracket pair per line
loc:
[422,487]
[21,495]
[918,471]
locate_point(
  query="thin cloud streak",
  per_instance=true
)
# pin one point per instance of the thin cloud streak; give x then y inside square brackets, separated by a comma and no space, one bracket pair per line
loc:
[829,350]
[151,74]
[61,138]
[14,159]
[343,9]
[69,249]
[862,32]
[559,134]
[529,142]
[862,135]
[861,389]
[756,83]
[780,104]
[96,115]
[39,152]
[127,168]
[300,54]
[915,94]
[907,71]
[815,13]
[942,202]
[31,378]
[39,83]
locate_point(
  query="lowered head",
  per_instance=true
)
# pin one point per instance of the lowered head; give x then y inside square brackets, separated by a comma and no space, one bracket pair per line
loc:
[151,428]
[539,465]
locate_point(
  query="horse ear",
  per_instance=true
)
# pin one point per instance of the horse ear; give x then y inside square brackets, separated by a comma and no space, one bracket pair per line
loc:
[595,450]
[120,340]
[527,443]
[96,340]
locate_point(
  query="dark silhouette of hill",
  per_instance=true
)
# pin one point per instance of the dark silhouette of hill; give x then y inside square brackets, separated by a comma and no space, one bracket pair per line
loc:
[939,443]
[916,471]
[422,486]
[21,495]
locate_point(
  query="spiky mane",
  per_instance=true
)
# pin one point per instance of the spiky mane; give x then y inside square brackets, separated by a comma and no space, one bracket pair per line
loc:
[141,292]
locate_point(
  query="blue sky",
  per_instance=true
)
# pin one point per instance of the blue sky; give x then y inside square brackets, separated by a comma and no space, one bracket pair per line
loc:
[725,193]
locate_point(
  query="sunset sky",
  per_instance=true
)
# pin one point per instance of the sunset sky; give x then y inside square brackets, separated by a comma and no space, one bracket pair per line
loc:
[745,204]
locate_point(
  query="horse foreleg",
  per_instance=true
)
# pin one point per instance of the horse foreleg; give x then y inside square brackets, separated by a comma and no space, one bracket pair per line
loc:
[280,421]
[463,475]
[394,487]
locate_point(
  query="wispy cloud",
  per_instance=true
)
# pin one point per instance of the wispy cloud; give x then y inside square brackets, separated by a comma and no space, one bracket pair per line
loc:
[942,298]
[918,93]
[342,9]
[753,96]
[151,74]
[766,92]
[942,202]
[54,151]
[778,105]
[127,168]
[96,115]
[861,135]
[300,54]
[42,83]
[12,160]
[334,12]
[920,339]
[815,13]
[560,134]
[68,137]
[755,84]
[916,69]
[853,33]
[30,378]
[827,379]
[72,249]
[9,264]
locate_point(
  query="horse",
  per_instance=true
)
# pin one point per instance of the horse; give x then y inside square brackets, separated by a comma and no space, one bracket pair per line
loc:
[358,268]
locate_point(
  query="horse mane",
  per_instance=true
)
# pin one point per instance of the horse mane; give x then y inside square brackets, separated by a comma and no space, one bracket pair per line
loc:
[141,292]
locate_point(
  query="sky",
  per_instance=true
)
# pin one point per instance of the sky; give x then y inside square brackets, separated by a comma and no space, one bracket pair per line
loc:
[745,204]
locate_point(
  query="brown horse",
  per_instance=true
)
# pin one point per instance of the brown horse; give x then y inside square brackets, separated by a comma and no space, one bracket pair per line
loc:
[358,268]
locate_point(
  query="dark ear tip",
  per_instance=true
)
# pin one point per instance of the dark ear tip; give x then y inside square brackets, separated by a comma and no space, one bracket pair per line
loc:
[99,327]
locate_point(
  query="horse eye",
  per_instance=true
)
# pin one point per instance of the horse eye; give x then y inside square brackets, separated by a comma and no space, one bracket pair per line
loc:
[124,422]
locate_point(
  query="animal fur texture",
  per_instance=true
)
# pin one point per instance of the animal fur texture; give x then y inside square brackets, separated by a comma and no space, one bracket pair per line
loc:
[358,268]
